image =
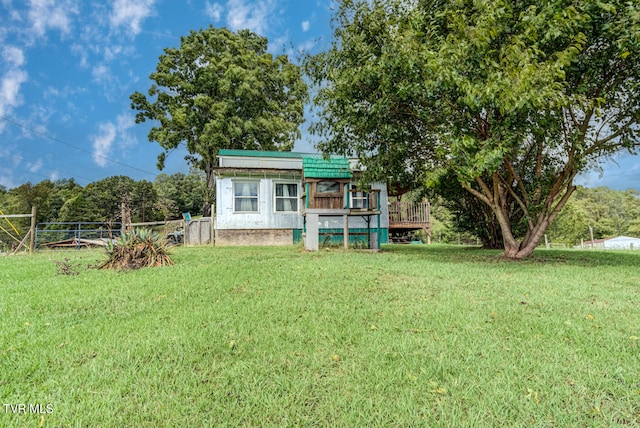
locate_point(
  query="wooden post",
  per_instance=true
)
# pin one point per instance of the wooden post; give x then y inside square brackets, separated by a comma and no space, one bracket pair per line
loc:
[346,232]
[546,242]
[32,230]
[213,227]
[591,235]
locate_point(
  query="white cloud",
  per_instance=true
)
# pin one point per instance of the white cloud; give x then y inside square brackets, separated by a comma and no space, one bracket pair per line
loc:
[9,167]
[254,17]
[51,14]
[12,78]
[103,142]
[81,51]
[306,46]
[111,134]
[305,26]
[35,166]
[130,14]
[214,11]
[13,56]
[13,14]
[112,52]
[281,45]
[6,178]
[101,73]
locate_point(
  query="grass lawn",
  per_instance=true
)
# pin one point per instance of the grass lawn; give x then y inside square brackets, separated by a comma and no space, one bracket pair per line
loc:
[410,336]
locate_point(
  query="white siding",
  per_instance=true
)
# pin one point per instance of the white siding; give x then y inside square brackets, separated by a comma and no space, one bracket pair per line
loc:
[268,218]
[265,218]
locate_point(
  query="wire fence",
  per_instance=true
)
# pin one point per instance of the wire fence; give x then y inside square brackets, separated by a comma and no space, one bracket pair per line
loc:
[75,234]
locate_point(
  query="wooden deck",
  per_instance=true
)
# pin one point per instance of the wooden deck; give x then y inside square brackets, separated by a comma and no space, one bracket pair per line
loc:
[409,216]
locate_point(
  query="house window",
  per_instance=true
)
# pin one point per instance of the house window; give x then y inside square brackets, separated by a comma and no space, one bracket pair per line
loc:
[286,197]
[360,200]
[328,187]
[245,196]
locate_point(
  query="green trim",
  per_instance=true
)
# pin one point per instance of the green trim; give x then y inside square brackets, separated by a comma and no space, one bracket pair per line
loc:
[379,228]
[336,238]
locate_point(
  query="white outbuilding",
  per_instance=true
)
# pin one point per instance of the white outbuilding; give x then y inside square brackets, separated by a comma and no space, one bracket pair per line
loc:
[617,243]
[622,243]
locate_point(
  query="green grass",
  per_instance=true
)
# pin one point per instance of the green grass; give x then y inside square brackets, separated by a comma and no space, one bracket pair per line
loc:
[411,336]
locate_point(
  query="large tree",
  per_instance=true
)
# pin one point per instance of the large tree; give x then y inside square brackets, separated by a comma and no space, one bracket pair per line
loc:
[515,97]
[222,90]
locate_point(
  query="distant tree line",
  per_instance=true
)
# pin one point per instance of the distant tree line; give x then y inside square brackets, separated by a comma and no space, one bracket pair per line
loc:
[166,198]
[608,212]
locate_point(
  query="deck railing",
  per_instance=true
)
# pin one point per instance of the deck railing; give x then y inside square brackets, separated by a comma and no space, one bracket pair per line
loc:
[409,212]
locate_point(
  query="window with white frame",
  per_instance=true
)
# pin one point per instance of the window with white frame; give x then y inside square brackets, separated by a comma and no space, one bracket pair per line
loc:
[245,196]
[286,195]
[359,200]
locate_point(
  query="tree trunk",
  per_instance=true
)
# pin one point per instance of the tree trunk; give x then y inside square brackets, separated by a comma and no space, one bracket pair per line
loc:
[210,190]
[517,250]
[206,209]
[498,198]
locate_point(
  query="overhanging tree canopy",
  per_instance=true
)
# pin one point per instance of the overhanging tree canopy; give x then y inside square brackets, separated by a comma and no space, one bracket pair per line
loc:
[515,97]
[218,90]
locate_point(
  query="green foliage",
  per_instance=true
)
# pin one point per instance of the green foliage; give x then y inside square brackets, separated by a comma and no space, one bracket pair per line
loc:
[101,201]
[179,193]
[63,191]
[516,98]
[608,212]
[137,249]
[218,90]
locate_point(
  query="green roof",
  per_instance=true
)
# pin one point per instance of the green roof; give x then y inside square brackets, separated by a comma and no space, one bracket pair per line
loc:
[326,168]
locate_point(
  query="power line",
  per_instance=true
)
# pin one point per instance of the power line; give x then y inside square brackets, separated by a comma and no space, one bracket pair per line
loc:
[57,140]
[47,163]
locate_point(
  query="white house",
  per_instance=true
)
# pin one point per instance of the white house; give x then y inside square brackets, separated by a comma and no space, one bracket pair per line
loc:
[277,198]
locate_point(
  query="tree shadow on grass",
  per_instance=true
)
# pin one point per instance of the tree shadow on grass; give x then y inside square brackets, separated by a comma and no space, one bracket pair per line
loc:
[468,254]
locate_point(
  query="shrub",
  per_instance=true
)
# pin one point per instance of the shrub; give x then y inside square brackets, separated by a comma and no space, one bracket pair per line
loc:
[137,249]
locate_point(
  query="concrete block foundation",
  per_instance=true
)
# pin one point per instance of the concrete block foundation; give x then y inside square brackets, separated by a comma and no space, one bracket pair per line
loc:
[244,237]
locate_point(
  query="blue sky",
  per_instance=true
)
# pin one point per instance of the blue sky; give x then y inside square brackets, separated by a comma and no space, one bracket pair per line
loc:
[67,68]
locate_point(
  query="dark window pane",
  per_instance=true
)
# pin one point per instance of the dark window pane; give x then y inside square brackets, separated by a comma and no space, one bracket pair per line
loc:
[328,187]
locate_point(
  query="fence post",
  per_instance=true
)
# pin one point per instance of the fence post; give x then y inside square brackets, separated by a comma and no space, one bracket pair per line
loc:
[345,233]
[32,230]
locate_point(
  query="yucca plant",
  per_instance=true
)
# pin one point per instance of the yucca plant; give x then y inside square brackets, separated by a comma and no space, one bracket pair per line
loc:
[137,249]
